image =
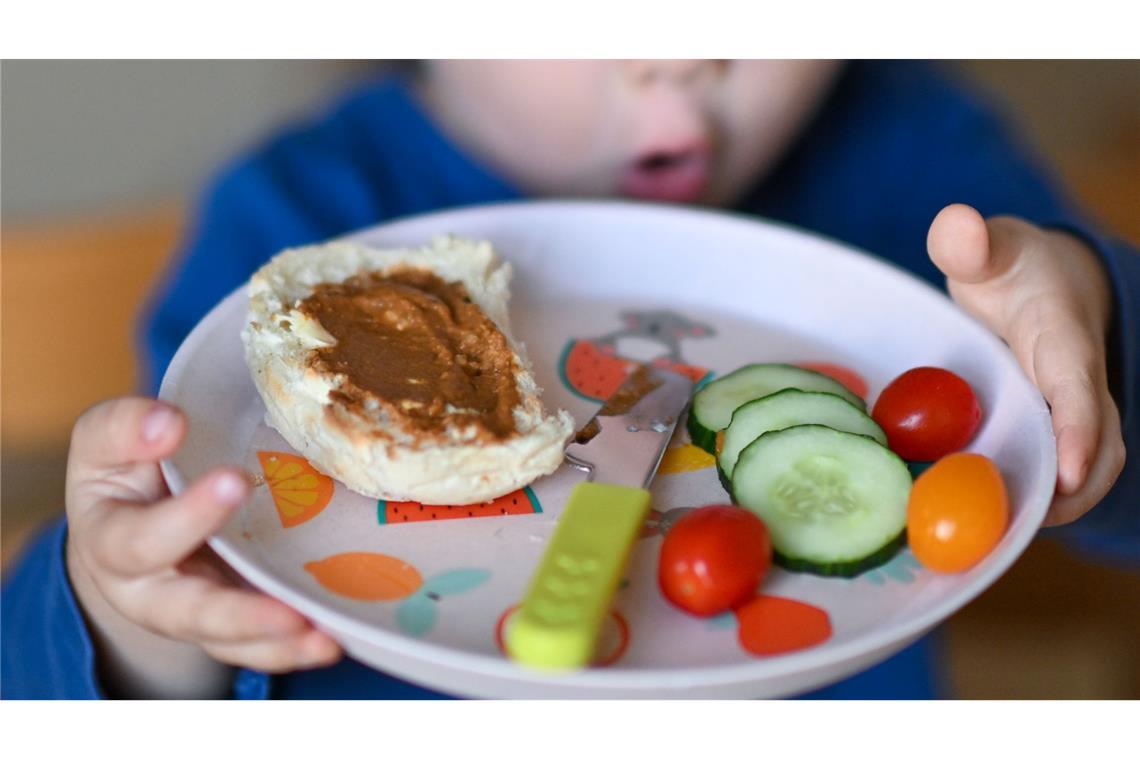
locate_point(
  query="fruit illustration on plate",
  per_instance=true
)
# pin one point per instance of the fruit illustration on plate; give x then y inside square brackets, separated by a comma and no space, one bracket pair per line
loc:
[375,577]
[298,490]
[775,625]
[851,379]
[520,502]
[686,458]
[592,372]
[593,368]
[416,615]
[765,625]
[366,576]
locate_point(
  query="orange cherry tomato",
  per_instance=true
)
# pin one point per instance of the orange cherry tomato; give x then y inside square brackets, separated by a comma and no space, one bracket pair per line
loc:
[957,513]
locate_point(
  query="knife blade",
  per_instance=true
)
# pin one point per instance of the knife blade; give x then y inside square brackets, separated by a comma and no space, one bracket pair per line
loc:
[556,627]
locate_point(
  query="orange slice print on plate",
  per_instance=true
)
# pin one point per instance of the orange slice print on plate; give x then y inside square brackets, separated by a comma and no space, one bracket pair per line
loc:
[299,491]
[685,458]
[366,576]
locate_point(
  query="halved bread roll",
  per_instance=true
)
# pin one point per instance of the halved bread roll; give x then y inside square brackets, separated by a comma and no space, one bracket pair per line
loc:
[395,371]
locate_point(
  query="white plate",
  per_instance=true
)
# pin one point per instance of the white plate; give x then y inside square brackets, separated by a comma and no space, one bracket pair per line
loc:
[739,291]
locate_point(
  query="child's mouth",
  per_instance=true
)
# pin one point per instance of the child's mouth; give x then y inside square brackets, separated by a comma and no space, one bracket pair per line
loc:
[675,177]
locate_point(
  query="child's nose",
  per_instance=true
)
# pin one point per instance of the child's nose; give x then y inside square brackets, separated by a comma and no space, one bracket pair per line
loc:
[675,71]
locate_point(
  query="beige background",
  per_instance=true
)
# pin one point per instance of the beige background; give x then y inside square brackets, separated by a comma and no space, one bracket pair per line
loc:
[100,159]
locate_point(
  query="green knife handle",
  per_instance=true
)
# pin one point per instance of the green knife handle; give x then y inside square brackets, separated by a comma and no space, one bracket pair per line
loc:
[556,627]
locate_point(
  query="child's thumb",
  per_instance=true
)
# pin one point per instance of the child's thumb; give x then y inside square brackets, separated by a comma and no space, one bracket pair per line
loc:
[125,431]
[967,248]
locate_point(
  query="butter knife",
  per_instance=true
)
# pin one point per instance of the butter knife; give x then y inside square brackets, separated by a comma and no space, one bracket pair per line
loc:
[556,627]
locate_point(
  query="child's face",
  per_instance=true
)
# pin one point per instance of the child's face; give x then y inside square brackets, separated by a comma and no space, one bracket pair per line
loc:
[683,131]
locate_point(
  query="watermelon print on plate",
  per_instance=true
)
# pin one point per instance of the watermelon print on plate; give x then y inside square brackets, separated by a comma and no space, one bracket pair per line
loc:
[520,502]
[593,368]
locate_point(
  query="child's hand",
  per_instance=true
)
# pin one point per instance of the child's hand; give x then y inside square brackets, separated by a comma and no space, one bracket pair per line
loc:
[1046,295]
[139,564]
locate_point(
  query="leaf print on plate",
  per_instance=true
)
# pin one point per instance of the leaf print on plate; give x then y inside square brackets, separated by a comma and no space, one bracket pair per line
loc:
[417,614]
[917,468]
[456,581]
[299,491]
[723,620]
[904,568]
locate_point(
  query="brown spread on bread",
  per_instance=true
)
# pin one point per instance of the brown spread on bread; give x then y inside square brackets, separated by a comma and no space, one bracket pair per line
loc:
[418,347]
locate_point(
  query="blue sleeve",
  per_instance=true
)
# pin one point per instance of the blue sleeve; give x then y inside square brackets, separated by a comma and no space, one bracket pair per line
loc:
[279,196]
[308,183]
[898,141]
[219,257]
[988,168]
[244,219]
[303,185]
[47,652]
[250,213]
[997,175]
[1111,530]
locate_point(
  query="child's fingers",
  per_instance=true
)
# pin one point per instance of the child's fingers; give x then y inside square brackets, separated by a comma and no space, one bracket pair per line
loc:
[202,611]
[135,540]
[308,650]
[1065,367]
[1105,469]
[124,431]
[205,563]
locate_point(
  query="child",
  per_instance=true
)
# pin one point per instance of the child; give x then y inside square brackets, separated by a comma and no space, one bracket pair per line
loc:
[124,599]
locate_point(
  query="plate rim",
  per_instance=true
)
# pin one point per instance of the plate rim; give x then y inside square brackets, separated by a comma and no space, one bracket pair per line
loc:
[615,677]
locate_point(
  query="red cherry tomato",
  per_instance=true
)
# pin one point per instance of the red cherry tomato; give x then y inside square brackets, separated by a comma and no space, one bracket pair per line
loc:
[958,511]
[713,558]
[927,413]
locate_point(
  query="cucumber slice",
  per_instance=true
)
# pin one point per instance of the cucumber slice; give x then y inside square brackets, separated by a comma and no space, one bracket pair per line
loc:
[714,404]
[788,408]
[834,502]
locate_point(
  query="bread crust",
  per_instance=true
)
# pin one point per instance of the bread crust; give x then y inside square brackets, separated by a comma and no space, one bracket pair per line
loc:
[373,455]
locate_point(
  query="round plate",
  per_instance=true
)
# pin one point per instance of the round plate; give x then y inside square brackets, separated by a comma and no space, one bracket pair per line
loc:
[597,286]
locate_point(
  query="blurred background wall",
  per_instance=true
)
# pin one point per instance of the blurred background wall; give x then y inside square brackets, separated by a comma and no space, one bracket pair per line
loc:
[100,159]
[96,135]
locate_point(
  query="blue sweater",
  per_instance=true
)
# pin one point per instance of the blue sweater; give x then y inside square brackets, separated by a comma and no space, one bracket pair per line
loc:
[894,143]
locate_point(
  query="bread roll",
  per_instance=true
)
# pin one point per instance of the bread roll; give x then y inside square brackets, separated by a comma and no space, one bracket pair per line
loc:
[414,443]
